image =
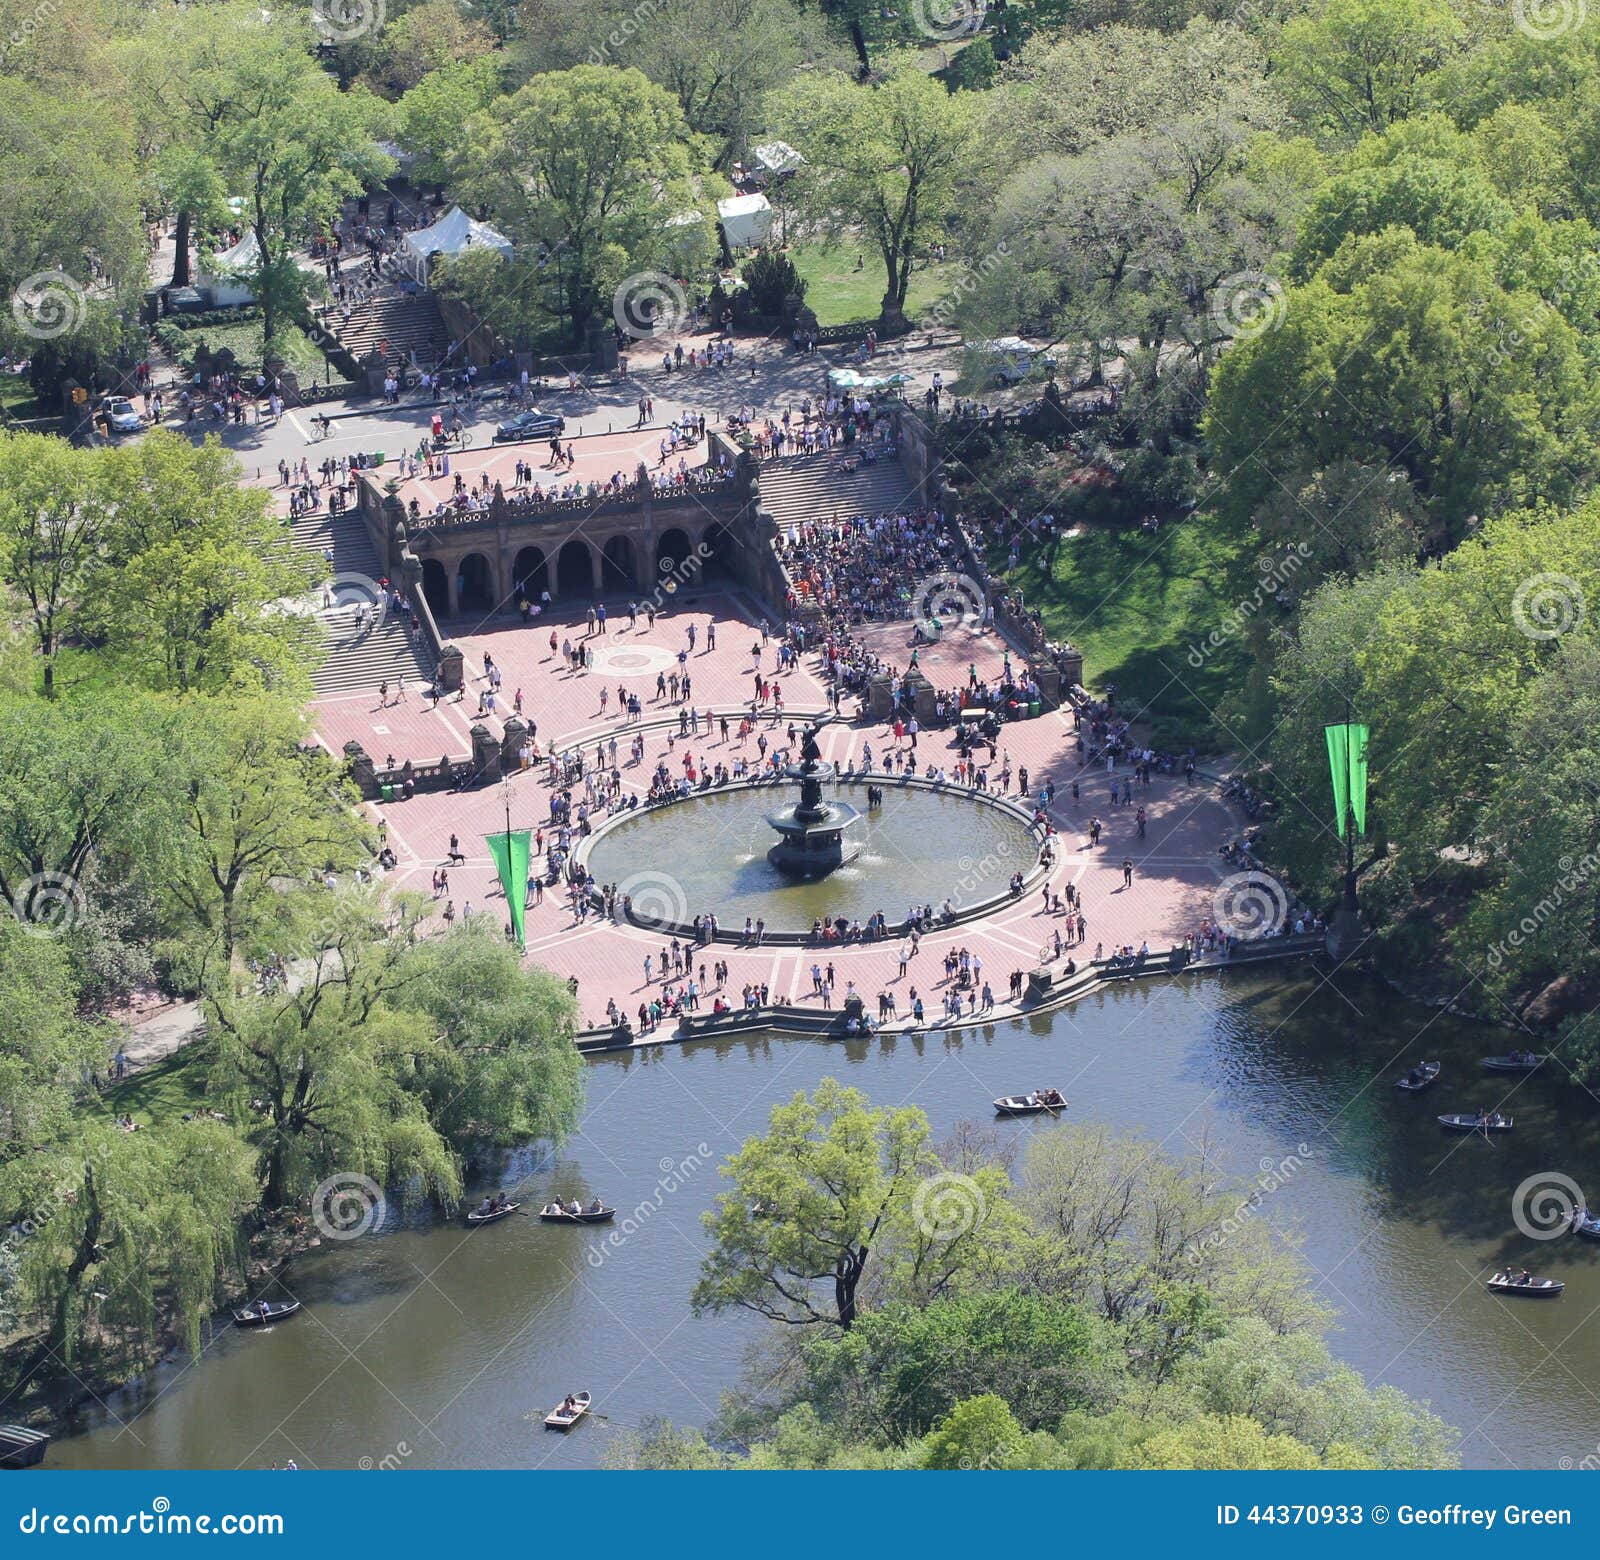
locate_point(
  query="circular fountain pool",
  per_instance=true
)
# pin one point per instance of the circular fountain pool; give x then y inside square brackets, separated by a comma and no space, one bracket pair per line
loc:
[709,853]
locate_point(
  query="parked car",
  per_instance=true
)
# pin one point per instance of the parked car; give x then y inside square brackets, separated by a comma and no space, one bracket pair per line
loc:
[532,424]
[1007,360]
[121,415]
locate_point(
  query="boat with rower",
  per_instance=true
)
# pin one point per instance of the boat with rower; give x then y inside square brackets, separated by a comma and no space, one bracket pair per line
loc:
[1516,1062]
[488,1211]
[1483,1121]
[1525,1285]
[265,1312]
[562,1213]
[1423,1076]
[568,1412]
[1040,1102]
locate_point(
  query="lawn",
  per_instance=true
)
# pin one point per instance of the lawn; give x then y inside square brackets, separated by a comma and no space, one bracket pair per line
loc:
[1142,610]
[244,341]
[842,295]
[160,1095]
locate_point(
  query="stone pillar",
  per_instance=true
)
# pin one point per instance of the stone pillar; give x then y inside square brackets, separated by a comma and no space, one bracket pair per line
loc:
[516,730]
[485,752]
[880,703]
[1049,681]
[452,669]
[361,768]
[595,568]
[600,342]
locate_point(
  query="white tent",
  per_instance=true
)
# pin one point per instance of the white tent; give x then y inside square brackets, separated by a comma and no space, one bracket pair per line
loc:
[227,273]
[452,233]
[746,220]
[775,158]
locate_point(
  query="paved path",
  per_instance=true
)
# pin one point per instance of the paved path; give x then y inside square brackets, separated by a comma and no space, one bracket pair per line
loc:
[1176,866]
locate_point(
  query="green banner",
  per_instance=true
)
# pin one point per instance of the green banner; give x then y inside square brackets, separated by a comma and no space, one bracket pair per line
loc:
[1347,764]
[510,851]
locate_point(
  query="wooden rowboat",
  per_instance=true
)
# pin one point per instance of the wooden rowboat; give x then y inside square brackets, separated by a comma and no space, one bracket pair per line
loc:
[268,1312]
[1512,1064]
[1495,1123]
[1532,1288]
[21,1447]
[1587,1229]
[476,1218]
[552,1213]
[563,1418]
[1419,1078]
[1028,1105]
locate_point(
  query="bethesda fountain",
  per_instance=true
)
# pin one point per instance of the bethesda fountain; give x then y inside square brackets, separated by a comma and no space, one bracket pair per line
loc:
[811,832]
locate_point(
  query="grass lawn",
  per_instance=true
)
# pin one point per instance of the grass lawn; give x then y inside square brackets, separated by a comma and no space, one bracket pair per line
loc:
[841,295]
[16,397]
[244,341]
[158,1096]
[1137,606]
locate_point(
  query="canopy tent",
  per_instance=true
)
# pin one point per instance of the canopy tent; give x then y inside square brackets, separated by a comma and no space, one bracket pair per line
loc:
[776,158]
[229,272]
[746,220]
[454,232]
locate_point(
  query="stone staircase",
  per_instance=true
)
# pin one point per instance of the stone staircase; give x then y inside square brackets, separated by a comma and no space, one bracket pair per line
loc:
[818,488]
[355,658]
[405,327]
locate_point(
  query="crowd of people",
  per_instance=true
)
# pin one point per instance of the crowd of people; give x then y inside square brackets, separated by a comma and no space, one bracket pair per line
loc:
[864,569]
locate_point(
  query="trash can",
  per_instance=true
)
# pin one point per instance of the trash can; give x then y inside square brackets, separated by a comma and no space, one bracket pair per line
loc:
[1033,710]
[387,792]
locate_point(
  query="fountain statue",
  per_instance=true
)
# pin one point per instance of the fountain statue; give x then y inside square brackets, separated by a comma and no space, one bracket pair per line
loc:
[811,832]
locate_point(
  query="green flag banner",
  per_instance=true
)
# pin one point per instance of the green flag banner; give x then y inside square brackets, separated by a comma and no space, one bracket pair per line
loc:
[1347,764]
[510,851]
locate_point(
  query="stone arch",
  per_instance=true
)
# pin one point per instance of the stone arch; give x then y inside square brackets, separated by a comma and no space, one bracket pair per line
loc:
[530,573]
[672,547]
[475,584]
[575,570]
[436,588]
[718,547]
[616,564]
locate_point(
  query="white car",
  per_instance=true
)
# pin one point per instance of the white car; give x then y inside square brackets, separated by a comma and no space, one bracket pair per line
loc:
[1007,360]
[122,415]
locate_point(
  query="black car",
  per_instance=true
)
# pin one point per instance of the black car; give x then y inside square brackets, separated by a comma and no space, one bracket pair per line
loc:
[529,425]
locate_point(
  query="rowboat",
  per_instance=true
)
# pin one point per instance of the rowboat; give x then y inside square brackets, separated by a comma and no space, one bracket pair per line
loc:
[1035,1104]
[1494,1123]
[1587,1229]
[1419,1078]
[21,1447]
[554,1213]
[494,1213]
[1529,1288]
[267,1312]
[1524,1063]
[563,1418]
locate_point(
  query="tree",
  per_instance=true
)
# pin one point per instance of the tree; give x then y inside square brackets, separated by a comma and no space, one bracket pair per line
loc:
[505,1069]
[828,1189]
[885,162]
[588,163]
[258,808]
[1233,1442]
[285,138]
[321,1070]
[54,514]
[433,114]
[977,1435]
[48,1053]
[1359,65]
[189,588]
